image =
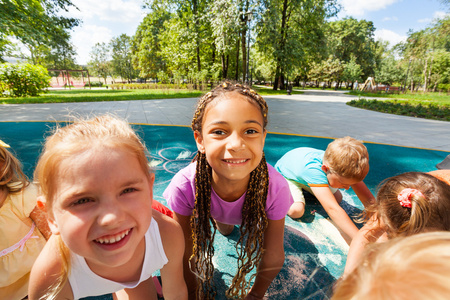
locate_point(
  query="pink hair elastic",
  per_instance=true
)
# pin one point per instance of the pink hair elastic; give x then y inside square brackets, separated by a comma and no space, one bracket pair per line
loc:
[405,196]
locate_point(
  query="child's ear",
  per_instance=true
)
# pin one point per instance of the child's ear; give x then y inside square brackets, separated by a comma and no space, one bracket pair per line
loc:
[41,203]
[199,140]
[325,168]
[53,226]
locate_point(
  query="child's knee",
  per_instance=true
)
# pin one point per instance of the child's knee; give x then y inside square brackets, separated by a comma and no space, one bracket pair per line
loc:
[338,196]
[224,229]
[296,210]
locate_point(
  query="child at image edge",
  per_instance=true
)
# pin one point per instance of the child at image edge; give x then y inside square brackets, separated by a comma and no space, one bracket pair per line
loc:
[414,267]
[23,227]
[231,184]
[406,204]
[344,164]
[96,186]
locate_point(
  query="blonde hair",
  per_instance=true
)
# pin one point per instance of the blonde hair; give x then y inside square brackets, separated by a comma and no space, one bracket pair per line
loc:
[71,140]
[12,178]
[414,267]
[347,157]
[254,219]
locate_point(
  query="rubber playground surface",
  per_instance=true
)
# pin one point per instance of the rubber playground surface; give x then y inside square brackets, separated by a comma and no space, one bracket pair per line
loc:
[315,251]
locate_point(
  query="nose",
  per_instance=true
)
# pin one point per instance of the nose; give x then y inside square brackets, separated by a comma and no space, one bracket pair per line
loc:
[110,213]
[235,142]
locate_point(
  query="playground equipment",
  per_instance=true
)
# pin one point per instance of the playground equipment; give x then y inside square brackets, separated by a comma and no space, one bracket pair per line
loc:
[64,79]
[369,84]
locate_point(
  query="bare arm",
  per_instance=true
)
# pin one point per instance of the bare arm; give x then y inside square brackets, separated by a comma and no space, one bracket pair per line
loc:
[49,262]
[363,193]
[174,286]
[335,212]
[369,233]
[272,260]
[189,277]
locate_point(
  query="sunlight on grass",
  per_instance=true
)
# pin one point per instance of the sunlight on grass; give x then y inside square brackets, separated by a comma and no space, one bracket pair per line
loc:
[87,95]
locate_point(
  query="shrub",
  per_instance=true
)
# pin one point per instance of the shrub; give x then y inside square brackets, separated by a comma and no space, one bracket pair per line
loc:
[428,111]
[444,87]
[95,84]
[24,79]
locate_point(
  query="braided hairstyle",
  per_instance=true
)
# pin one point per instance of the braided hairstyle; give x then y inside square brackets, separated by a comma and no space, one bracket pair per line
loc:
[254,219]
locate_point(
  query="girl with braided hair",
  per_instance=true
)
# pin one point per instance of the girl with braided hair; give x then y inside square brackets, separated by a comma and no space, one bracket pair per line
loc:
[406,204]
[229,183]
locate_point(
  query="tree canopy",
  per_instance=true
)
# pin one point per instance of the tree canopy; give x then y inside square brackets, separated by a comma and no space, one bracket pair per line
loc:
[35,23]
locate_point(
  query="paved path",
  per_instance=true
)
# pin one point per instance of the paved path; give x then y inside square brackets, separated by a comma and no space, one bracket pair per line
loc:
[316,113]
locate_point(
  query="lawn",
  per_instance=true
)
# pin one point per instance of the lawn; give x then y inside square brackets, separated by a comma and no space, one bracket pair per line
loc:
[412,98]
[102,94]
[92,95]
[421,105]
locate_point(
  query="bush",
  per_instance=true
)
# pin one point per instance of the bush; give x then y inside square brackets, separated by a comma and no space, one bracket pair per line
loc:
[427,111]
[23,79]
[444,87]
[95,84]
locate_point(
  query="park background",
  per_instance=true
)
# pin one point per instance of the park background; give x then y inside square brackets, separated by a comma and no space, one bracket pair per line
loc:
[276,42]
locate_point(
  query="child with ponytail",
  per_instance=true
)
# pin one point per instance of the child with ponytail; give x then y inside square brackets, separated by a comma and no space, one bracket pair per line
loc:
[406,204]
[229,184]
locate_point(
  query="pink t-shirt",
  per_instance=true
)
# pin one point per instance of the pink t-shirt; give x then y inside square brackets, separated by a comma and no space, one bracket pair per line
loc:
[180,195]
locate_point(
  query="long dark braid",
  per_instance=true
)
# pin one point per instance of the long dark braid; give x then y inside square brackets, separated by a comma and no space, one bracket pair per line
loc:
[254,224]
[254,219]
[201,220]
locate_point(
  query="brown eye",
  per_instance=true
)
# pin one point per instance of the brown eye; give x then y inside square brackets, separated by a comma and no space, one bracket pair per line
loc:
[81,201]
[128,190]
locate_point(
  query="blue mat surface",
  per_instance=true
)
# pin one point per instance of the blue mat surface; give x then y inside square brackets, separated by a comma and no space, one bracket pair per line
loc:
[315,252]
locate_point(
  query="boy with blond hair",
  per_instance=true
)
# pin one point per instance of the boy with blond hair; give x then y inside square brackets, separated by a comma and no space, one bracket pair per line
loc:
[344,164]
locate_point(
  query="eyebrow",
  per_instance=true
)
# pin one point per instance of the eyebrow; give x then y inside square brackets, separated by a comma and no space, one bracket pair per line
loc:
[133,181]
[246,122]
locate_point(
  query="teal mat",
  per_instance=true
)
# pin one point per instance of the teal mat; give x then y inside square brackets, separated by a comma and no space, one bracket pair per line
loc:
[315,252]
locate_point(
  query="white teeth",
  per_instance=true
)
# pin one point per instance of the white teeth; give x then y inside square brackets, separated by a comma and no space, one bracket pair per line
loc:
[235,161]
[112,239]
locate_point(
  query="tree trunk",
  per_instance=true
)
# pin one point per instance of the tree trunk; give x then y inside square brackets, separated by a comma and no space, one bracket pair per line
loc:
[244,54]
[237,61]
[197,42]
[425,80]
[224,65]
[275,82]
[429,69]
[281,81]
[279,74]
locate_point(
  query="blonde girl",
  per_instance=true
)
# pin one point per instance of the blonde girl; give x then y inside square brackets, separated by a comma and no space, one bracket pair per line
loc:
[414,267]
[23,227]
[406,204]
[96,187]
[230,184]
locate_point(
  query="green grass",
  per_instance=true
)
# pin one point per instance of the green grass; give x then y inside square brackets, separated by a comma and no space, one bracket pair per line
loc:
[413,98]
[428,109]
[86,95]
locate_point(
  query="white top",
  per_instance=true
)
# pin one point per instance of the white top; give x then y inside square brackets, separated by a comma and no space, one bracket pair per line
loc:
[86,283]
